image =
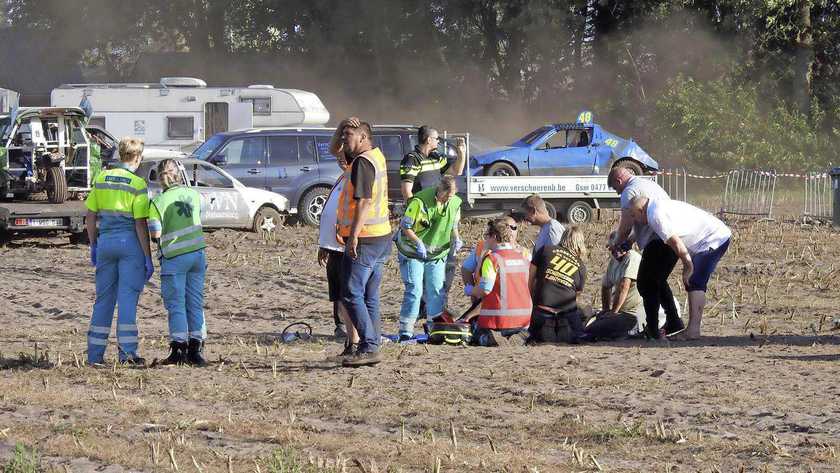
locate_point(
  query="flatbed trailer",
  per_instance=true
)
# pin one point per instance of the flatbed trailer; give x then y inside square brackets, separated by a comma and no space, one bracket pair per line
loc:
[42,217]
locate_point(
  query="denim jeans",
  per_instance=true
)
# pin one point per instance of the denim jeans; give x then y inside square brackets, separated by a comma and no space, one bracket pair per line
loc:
[182,288]
[360,293]
[422,279]
[120,276]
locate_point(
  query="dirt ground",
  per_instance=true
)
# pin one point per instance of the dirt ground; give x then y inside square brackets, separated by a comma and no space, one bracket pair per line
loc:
[758,393]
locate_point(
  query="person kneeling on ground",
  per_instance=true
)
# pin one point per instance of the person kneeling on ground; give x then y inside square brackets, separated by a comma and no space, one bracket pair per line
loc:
[623,311]
[175,220]
[428,230]
[697,237]
[557,277]
[503,289]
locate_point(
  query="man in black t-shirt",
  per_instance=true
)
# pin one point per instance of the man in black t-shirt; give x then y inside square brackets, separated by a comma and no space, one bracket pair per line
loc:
[557,277]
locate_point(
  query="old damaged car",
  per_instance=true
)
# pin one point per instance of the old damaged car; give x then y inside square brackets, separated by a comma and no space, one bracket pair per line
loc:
[563,149]
[226,202]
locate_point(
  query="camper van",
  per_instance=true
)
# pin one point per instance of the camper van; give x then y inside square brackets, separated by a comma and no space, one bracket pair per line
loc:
[8,100]
[178,113]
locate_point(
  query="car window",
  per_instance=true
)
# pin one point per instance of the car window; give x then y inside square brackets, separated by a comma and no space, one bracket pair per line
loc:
[203,175]
[203,151]
[578,138]
[412,142]
[558,140]
[283,150]
[306,145]
[530,138]
[391,147]
[323,143]
[244,150]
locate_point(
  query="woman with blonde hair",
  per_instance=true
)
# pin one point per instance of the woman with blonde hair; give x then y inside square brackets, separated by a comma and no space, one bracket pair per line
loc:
[175,221]
[557,276]
[118,206]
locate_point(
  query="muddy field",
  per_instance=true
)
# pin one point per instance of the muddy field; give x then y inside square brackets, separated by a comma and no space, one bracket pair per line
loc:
[759,393]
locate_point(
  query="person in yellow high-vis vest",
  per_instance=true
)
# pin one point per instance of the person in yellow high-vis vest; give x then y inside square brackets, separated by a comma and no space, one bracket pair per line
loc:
[175,219]
[363,223]
[118,206]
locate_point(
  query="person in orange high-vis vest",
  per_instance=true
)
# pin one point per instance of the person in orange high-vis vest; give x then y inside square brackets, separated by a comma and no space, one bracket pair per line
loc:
[364,226]
[503,289]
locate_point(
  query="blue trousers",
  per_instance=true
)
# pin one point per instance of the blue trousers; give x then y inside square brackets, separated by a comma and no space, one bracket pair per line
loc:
[422,280]
[182,288]
[120,275]
[362,277]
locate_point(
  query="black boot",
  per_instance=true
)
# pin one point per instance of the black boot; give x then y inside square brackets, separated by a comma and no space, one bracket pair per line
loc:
[177,354]
[194,355]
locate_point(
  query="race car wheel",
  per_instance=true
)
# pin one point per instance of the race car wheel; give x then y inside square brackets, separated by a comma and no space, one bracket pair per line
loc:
[579,212]
[631,166]
[56,185]
[267,221]
[501,169]
[312,204]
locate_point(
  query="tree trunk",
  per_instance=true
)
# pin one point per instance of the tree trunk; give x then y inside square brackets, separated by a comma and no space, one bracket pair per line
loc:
[804,60]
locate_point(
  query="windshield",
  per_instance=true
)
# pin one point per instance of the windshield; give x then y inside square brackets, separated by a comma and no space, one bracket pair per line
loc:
[530,138]
[203,152]
[480,144]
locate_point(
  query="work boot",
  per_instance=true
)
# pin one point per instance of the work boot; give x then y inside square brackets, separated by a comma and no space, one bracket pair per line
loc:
[362,359]
[349,350]
[177,354]
[134,360]
[194,353]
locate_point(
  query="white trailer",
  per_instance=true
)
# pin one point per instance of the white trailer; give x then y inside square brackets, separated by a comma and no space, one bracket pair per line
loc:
[8,100]
[180,112]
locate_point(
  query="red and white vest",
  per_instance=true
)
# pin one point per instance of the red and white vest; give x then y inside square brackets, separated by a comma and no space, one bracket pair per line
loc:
[508,306]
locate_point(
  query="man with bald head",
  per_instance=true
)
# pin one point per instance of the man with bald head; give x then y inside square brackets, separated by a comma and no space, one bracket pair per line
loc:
[658,259]
[698,238]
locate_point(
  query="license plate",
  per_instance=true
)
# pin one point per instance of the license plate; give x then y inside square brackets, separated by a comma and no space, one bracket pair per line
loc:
[39,222]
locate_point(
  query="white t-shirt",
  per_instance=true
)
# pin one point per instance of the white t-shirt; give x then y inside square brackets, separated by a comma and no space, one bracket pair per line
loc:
[638,186]
[699,230]
[329,218]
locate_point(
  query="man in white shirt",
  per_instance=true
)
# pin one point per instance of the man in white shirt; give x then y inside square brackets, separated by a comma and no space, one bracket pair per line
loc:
[658,260]
[699,240]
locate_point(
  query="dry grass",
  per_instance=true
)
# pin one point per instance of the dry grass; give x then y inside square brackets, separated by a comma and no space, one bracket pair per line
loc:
[758,394]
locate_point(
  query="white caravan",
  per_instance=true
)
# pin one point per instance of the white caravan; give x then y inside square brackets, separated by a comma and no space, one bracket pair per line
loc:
[8,100]
[180,112]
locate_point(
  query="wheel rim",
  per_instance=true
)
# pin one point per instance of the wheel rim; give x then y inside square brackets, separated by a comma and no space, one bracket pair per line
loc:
[268,225]
[502,172]
[578,215]
[316,207]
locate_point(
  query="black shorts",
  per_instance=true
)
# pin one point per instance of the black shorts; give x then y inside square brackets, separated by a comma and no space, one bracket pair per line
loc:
[334,274]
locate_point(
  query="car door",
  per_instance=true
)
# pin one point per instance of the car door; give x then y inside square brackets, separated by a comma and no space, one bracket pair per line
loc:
[244,157]
[551,156]
[392,148]
[224,204]
[284,166]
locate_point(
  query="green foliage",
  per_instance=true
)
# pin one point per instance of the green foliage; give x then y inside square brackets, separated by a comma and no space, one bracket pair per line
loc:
[721,124]
[286,461]
[23,461]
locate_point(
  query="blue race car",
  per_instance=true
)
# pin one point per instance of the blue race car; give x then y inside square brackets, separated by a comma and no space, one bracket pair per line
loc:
[580,148]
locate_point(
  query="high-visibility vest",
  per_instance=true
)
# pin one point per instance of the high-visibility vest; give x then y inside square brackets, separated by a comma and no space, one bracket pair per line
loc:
[508,306]
[376,223]
[119,197]
[435,233]
[180,217]
[480,253]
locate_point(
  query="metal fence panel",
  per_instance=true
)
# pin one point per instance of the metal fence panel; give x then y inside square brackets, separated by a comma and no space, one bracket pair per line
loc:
[675,183]
[817,197]
[749,193]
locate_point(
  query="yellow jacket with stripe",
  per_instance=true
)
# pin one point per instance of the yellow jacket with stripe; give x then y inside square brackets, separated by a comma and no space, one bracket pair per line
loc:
[119,198]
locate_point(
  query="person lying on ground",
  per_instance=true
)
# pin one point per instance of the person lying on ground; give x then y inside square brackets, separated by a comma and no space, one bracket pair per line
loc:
[428,230]
[697,237]
[505,310]
[556,278]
